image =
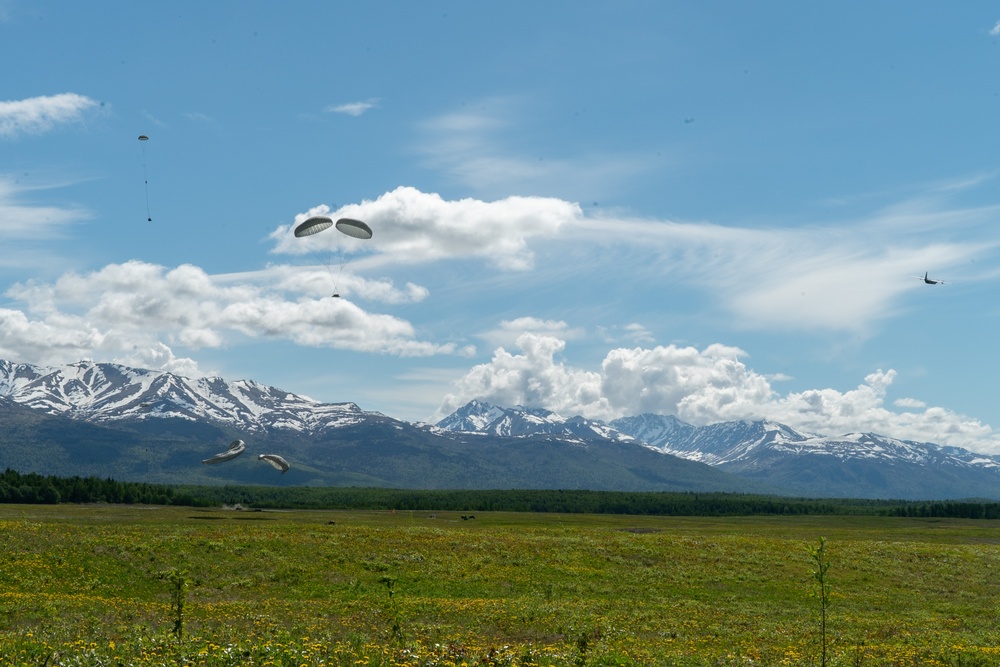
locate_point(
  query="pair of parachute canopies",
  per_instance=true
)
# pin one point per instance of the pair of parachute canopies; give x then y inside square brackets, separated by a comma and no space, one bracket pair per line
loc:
[314,225]
[353,228]
[236,447]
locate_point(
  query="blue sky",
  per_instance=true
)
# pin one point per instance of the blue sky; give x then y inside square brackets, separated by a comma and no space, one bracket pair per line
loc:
[713,210]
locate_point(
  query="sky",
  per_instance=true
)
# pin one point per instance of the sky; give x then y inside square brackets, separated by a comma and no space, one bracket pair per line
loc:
[711,210]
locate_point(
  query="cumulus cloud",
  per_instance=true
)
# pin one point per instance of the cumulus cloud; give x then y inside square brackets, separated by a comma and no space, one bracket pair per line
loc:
[37,115]
[995,30]
[701,387]
[532,378]
[414,227]
[353,108]
[137,312]
[509,331]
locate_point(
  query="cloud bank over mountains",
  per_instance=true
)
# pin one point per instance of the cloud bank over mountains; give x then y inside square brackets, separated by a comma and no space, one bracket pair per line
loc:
[823,278]
[701,387]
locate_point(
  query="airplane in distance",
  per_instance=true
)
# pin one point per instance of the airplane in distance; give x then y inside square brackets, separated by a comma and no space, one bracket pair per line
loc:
[930,281]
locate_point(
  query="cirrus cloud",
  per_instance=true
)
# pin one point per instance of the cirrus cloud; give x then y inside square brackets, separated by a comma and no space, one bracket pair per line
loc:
[353,108]
[36,115]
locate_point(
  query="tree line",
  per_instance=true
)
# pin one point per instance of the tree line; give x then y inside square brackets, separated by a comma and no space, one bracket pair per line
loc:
[34,488]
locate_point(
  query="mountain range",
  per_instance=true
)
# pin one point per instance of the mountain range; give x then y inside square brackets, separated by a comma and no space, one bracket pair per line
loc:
[108,420]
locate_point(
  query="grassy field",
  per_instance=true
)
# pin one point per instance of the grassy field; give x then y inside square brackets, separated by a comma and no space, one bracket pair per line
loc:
[129,585]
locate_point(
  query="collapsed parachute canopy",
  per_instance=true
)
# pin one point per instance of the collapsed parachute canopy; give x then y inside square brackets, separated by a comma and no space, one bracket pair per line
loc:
[277,461]
[236,448]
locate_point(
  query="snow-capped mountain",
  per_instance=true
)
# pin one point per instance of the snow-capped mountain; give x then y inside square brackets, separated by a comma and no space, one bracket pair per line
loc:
[483,418]
[101,392]
[853,464]
[751,445]
[715,444]
[109,420]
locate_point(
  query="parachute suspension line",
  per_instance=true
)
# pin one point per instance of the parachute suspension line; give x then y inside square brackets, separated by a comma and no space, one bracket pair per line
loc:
[327,261]
[145,179]
[353,228]
[336,281]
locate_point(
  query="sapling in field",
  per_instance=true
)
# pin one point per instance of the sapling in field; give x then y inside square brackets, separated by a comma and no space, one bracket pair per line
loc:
[822,563]
[178,581]
[396,616]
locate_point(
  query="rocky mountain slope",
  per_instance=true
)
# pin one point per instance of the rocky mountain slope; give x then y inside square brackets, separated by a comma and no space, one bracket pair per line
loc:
[109,420]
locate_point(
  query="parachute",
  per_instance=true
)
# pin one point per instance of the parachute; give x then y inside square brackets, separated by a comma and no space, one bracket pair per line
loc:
[236,448]
[277,461]
[313,225]
[355,228]
[347,226]
[145,179]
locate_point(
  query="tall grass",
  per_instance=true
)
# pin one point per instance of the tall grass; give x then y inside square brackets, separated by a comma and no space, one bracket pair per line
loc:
[85,586]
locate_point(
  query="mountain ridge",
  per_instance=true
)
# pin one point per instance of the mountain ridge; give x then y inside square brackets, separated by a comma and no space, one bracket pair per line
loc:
[157,422]
[107,419]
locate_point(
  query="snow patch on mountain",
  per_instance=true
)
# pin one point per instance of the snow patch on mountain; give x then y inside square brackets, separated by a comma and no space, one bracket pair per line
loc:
[735,446]
[101,392]
[519,422]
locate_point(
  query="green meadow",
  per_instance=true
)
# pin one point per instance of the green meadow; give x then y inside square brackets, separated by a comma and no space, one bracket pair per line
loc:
[138,585]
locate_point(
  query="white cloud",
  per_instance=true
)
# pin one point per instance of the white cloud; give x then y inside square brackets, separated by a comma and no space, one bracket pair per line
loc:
[414,227]
[198,117]
[137,313]
[353,108]
[632,332]
[509,331]
[531,378]
[37,115]
[845,275]
[321,279]
[23,220]
[701,387]
[995,30]
[470,147]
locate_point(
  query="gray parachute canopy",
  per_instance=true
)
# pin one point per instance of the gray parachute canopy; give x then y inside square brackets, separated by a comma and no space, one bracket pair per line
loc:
[355,228]
[277,461]
[236,448]
[313,225]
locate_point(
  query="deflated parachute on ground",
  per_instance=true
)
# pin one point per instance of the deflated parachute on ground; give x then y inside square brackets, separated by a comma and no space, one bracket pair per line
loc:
[277,461]
[236,448]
